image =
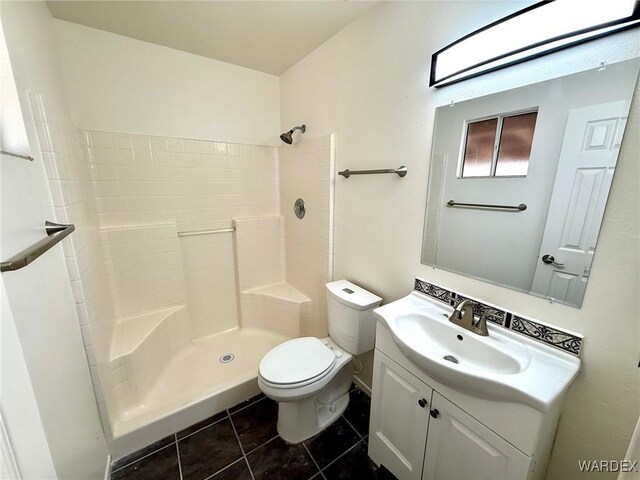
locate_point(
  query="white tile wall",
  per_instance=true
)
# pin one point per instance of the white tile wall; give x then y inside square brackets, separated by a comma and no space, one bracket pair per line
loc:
[70,183]
[197,184]
[307,171]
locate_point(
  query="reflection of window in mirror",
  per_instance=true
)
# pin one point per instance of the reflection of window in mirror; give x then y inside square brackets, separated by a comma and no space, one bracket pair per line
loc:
[498,146]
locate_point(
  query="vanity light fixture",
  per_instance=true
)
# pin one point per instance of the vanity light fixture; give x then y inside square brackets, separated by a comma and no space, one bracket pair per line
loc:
[538,30]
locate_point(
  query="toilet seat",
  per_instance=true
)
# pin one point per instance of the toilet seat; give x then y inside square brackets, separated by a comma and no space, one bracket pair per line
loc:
[297,363]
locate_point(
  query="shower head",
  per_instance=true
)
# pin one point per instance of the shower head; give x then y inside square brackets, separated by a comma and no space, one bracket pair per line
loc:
[288,136]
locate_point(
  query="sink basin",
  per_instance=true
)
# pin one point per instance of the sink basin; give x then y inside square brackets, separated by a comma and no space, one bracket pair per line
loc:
[466,349]
[504,365]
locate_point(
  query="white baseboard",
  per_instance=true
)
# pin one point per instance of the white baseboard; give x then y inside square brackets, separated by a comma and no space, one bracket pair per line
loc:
[107,470]
[361,385]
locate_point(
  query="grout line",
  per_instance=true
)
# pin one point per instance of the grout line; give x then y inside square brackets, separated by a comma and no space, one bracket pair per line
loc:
[224,468]
[352,427]
[142,458]
[175,435]
[200,429]
[313,460]
[246,406]
[246,460]
[261,445]
[244,455]
[342,455]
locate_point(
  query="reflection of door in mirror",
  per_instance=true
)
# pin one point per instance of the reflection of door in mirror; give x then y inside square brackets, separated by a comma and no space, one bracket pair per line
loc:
[587,161]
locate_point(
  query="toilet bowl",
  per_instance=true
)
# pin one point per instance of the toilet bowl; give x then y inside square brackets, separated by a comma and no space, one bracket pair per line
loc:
[310,377]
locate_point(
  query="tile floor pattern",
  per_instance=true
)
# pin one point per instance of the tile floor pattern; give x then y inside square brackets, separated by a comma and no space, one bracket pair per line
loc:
[242,444]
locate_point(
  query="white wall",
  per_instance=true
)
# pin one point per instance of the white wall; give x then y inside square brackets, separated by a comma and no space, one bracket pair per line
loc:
[20,413]
[118,84]
[40,295]
[369,86]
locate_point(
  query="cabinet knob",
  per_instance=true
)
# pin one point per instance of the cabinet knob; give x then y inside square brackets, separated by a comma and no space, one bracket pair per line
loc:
[422,402]
[434,413]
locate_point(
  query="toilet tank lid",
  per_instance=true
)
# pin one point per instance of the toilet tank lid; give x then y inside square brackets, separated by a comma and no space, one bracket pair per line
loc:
[352,295]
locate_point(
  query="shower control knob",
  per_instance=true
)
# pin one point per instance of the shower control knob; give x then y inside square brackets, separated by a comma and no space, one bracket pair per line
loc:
[422,402]
[299,209]
[434,413]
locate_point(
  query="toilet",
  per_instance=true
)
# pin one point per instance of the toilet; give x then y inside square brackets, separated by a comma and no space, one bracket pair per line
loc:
[310,377]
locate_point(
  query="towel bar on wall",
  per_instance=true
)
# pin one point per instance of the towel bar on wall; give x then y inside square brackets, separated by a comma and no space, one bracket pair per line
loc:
[55,233]
[522,207]
[17,155]
[401,171]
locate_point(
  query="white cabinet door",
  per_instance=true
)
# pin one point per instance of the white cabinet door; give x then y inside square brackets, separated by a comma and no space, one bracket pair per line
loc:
[461,448]
[399,419]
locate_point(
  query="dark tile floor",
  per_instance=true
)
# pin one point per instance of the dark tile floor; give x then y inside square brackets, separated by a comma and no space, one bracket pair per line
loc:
[242,444]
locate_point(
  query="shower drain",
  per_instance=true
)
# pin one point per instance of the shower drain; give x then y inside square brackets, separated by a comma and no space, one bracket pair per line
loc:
[227,357]
[450,358]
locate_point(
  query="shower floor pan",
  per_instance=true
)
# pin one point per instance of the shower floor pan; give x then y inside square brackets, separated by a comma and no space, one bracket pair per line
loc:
[197,383]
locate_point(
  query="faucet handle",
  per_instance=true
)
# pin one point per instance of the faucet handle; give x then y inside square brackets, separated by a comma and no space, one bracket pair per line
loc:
[481,324]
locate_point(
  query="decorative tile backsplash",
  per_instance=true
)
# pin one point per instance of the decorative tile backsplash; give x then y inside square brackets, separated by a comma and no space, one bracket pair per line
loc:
[565,341]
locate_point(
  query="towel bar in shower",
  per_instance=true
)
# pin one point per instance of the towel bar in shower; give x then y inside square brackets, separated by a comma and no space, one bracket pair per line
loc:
[55,233]
[205,232]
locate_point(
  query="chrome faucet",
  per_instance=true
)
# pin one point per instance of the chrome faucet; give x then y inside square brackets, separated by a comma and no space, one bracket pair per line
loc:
[463,316]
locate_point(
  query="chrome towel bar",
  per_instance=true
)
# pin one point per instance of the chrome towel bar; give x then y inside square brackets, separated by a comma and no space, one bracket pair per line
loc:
[24,157]
[205,232]
[55,233]
[522,207]
[401,171]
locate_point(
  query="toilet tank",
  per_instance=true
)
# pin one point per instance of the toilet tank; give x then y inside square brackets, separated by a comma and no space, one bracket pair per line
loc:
[350,314]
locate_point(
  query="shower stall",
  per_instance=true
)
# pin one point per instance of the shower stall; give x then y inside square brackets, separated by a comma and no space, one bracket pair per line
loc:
[188,264]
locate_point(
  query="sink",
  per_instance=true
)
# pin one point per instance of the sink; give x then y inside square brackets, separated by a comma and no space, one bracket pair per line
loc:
[504,365]
[466,349]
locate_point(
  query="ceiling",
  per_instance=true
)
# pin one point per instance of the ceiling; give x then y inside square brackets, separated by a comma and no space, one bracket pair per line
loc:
[265,36]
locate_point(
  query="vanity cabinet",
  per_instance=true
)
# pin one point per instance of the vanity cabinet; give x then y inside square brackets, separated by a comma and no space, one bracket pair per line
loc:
[417,433]
[399,419]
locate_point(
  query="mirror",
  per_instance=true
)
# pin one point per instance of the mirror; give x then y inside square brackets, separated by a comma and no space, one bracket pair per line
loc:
[519,180]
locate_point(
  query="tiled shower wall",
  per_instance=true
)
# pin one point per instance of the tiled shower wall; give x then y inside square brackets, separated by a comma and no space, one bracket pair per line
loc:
[195,185]
[307,171]
[70,183]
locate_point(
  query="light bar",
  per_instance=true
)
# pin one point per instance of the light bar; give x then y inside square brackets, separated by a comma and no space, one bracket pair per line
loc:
[540,29]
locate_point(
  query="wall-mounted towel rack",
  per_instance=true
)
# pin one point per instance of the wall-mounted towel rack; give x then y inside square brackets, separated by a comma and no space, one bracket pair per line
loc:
[55,233]
[401,171]
[206,232]
[17,155]
[522,207]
